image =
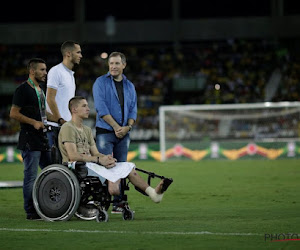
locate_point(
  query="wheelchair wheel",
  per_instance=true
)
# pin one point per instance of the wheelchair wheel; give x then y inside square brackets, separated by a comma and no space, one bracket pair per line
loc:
[56,193]
[102,216]
[128,214]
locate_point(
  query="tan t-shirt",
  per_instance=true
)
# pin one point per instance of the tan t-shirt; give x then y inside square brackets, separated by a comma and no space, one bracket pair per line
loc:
[83,138]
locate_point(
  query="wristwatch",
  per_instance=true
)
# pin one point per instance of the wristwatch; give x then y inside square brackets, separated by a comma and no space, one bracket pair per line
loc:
[130,127]
[59,121]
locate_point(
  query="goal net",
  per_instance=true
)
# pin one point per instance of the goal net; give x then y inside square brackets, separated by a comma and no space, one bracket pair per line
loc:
[231,131]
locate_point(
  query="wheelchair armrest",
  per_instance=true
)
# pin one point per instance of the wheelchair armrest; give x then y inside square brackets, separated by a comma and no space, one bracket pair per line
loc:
[77,163]
[80,170]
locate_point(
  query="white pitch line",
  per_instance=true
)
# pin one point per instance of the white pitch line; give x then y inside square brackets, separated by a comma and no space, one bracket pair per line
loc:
[125,232]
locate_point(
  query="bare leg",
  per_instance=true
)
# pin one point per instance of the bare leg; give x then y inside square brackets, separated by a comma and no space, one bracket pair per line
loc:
[137,180]
[155,194]
[114,187]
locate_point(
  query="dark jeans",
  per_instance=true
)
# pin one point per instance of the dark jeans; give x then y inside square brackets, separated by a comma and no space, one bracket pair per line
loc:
[31,161]
[108,143]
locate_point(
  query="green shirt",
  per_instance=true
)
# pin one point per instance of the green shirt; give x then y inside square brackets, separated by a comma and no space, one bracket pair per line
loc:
[82,138]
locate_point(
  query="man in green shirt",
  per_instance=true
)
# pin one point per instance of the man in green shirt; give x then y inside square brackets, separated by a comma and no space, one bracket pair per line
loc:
[76,143]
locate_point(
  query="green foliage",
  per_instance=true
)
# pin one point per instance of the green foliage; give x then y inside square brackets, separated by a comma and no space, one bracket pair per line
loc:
[210,205]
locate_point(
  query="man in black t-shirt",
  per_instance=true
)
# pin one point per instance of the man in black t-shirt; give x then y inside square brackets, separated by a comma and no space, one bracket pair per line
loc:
[28,107]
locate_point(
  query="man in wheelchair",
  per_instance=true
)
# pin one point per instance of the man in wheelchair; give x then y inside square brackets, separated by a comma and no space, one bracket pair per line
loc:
[76,143]
[100,178]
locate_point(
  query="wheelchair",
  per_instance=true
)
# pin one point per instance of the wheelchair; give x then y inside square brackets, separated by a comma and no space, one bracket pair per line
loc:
[61,191]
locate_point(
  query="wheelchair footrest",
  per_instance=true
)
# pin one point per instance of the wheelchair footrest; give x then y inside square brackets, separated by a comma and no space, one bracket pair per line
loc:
[166,184]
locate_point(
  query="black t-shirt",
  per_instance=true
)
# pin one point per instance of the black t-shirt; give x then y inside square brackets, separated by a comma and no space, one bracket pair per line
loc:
[26,98]
[120,91]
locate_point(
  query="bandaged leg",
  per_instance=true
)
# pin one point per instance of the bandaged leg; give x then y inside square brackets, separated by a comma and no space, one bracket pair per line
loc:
[153,195]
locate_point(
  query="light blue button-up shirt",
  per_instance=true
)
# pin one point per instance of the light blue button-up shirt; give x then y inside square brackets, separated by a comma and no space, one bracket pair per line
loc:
[107,102]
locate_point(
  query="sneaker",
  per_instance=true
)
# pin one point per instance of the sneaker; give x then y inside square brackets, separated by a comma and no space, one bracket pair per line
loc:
[117,210]
[33,217]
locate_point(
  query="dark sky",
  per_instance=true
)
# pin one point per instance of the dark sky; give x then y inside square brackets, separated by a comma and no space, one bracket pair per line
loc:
[96,10]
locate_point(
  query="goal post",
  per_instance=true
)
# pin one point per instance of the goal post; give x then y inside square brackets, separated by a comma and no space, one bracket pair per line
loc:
[199,131]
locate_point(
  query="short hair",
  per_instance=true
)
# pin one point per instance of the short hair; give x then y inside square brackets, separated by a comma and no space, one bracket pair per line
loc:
[32,64]
[74,101]
[115,54]
[67,46]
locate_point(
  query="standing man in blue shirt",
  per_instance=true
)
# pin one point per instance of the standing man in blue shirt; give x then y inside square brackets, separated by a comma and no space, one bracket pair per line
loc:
[115,101]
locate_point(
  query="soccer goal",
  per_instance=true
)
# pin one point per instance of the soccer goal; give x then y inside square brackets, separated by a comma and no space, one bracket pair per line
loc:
[229,130]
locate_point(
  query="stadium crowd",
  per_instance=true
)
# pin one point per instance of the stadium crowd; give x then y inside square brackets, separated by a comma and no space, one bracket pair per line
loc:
[240,68]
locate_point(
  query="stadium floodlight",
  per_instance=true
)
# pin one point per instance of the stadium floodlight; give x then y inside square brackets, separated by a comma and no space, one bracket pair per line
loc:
[256,122]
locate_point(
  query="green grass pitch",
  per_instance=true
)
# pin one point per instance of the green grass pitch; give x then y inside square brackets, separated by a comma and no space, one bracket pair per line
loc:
[210,205]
